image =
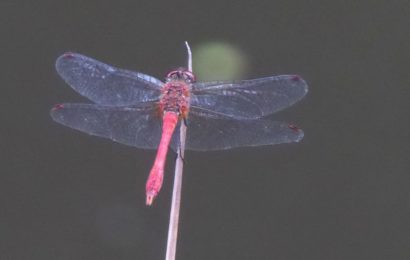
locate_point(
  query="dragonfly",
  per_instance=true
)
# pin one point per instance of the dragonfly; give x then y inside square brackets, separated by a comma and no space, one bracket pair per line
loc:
[139,110]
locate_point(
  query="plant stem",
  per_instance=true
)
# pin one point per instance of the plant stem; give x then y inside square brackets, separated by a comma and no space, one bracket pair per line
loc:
[176,193]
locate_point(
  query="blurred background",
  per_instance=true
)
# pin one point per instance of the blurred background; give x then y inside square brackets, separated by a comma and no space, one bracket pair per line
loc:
[341,193]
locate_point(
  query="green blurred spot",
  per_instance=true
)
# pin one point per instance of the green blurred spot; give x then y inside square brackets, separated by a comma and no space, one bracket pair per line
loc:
[218,61]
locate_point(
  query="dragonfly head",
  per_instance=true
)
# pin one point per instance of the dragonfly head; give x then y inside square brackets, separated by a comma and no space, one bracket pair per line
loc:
[181,74]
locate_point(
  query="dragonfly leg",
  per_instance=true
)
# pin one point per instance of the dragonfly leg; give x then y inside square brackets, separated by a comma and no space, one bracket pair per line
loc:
[180,154]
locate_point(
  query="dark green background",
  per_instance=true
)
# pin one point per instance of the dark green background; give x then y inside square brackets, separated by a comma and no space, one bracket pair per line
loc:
[342,193]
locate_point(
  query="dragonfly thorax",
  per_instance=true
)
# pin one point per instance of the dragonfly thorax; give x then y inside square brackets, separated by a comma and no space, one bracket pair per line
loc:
[175,97]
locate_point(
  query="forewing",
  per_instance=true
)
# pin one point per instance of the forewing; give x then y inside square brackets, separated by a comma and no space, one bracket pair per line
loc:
[207,131]
[104,84]
[249,98]
[134,126]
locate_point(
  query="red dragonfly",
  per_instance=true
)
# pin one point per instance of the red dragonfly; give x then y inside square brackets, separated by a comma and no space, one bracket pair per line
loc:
[139,110]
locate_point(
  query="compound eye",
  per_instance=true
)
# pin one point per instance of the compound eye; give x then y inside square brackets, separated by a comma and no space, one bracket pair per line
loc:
[172,75]
[189,76]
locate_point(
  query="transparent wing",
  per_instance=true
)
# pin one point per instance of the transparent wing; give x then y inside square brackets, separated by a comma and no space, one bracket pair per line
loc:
[207,131]
[249,98]
[134,126]
[104,84]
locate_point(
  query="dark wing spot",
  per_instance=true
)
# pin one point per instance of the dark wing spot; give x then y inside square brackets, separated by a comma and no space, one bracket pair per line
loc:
[294,127]
[68,55]
[296,78]
[58,106]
